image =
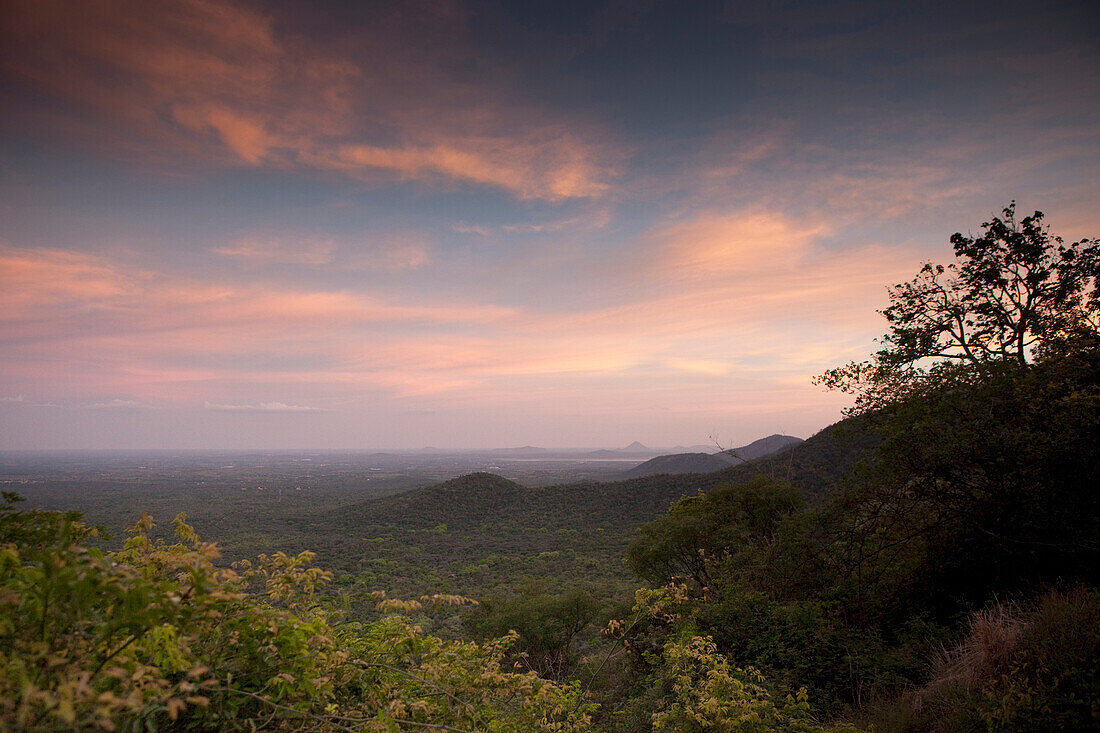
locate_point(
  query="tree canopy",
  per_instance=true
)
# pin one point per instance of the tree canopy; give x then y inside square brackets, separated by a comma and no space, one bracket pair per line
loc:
[1013,290]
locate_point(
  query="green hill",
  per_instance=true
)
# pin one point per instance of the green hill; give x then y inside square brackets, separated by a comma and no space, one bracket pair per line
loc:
[470,496]
[481,531]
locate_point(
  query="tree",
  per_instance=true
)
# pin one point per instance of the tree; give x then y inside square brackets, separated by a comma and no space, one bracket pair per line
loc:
[986,394]
[703,537]
[1013,291]
[548,623]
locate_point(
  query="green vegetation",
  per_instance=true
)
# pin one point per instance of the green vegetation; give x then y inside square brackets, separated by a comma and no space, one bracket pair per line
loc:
[154,636]
[930,564]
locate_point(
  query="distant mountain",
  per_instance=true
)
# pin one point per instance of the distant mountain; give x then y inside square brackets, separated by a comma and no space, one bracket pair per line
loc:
[708,449]
[527,450]
[634,450]
[680,463]
[764,447]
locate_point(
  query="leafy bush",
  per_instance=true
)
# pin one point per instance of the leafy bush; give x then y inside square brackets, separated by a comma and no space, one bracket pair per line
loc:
[155,635]
[690,687]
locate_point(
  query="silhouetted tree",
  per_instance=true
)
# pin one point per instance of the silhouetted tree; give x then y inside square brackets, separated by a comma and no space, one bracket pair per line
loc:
[1012,291]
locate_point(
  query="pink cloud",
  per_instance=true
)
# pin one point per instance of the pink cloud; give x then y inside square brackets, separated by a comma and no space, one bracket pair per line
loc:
[387,252]
[36,278]
[748,299]
[261,249]
[72,322]
[747,241]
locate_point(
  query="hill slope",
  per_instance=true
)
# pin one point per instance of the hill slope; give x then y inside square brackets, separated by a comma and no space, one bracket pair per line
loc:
[683,463]
[478,532]
[707,462]
[472,495]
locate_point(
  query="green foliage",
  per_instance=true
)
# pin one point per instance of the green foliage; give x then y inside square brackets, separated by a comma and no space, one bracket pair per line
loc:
[980,487]
[805,643]
[691,687]
[707,694]
[155,634]
[732,525]
[548,623]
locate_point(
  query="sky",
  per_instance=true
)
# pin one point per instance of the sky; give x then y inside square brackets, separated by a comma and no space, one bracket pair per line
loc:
[379,225]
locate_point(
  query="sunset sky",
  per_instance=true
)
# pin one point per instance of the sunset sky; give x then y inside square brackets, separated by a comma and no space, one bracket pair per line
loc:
[466,224]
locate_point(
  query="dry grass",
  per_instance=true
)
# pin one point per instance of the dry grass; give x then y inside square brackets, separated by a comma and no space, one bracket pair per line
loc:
[986,652]
[1019,666]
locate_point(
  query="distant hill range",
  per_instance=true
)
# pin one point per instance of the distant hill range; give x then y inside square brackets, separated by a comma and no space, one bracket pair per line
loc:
[680,463]
[487,499]
[498,521]
[635,450]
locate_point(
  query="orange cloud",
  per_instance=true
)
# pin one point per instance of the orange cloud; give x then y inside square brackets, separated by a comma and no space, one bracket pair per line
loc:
[558,168]
[222,80]
[751,241]
[247,138]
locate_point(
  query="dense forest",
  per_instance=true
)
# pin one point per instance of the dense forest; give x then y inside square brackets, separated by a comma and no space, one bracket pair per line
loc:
[928,564]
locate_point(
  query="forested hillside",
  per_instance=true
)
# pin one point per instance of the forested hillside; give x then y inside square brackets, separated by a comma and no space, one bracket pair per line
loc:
[479,533]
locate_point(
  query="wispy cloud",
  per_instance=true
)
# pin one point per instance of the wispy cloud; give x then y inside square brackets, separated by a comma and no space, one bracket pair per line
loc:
[386,252]
[23,401]
[307,251]
[745,242]
[101,326]
[710,296]
[699,366]
[389,252]
[479,229]
[117,404]
[261,407]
